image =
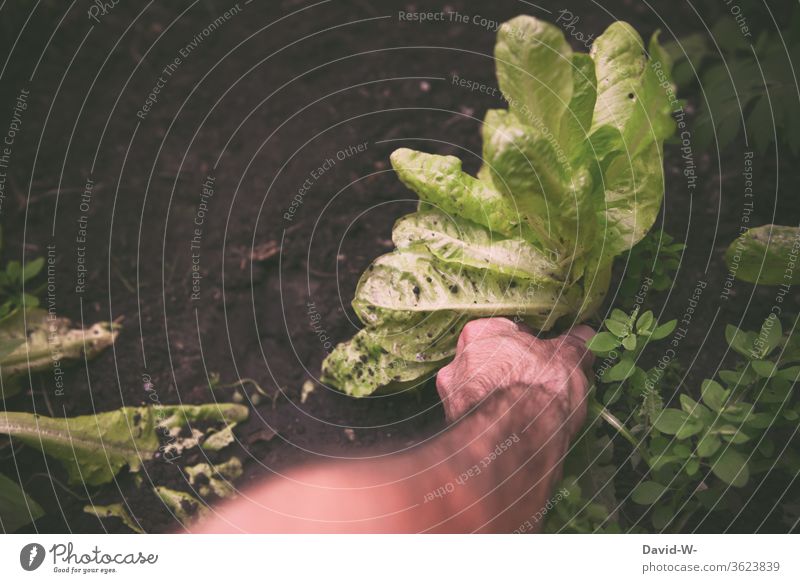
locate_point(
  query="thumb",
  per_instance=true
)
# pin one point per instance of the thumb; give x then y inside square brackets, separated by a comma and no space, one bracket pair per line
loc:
[582,332]
[576,338]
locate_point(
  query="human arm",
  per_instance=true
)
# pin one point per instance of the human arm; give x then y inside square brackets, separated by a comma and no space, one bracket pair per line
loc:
[514,401]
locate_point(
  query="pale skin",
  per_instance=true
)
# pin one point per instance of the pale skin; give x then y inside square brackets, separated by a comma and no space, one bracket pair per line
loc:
[514,403]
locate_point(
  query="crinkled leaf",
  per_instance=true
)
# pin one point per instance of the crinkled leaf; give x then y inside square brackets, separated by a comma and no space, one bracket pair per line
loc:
[534,70]
[576,123]
[420,336]
[415,306]
[180,415]
[551,193]
[362,365]
[31,341]
[93,448]
[632,117]
[634,188]
[219,439]
[411,280]
[439,181]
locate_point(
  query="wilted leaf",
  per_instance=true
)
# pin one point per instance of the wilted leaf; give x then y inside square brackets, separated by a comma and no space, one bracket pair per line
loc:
[185,507]
[93,448]
[116,511]
[215,479]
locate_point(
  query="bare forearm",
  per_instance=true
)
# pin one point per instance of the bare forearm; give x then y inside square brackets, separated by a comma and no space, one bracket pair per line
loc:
[489,472]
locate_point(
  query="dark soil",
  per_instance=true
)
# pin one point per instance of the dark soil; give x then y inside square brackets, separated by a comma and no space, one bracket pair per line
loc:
[258,105]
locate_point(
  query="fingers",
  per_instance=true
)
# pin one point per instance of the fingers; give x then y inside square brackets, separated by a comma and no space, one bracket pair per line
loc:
[484,328]
[582,332]
[444,379]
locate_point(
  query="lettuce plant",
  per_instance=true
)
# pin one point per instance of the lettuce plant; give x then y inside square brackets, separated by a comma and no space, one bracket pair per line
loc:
[572,176]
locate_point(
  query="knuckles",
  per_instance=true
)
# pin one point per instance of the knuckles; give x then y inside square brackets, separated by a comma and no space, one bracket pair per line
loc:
[493,353]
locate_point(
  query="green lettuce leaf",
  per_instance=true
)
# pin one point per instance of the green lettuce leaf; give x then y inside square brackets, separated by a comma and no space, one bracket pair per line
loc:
[632,98]
[362,365]
[412,280]
[535,172]
[632,117]
[452,239]
[30,341]
[439,181]
[534,71]
[634,188]
[577,122]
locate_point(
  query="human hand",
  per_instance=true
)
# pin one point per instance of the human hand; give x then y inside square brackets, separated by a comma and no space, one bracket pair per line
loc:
[495,354]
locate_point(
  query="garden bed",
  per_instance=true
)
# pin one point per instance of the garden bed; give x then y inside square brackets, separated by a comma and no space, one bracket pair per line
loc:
[274,185]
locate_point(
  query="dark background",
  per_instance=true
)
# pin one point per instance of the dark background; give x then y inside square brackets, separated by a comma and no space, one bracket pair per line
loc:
[259,104]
